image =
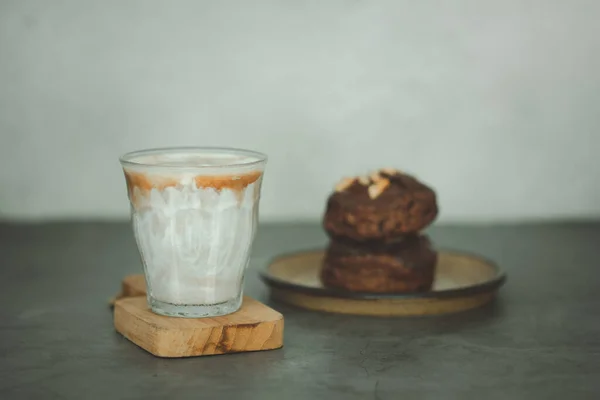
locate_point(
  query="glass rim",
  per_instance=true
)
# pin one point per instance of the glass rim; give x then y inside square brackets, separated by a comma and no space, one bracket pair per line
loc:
[128,159]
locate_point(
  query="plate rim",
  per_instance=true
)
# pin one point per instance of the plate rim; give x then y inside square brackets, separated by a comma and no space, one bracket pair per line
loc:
[484,287]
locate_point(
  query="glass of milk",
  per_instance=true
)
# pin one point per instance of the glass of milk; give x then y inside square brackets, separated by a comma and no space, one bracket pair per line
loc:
[194,212]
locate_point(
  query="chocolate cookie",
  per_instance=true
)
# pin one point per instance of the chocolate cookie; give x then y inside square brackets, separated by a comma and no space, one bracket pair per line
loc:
[407,266]
[382,207]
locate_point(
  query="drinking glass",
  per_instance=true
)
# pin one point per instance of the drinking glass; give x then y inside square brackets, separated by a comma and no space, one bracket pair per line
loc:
[194,212]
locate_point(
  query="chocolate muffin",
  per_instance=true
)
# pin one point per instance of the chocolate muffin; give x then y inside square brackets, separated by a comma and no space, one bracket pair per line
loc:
[383,207]
[405,266]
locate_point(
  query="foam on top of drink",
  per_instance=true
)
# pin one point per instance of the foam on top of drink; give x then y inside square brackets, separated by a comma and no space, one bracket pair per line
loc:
[194,159]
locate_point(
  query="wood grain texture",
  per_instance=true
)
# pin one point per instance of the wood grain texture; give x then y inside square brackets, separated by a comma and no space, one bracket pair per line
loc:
[254,327]
[462,282]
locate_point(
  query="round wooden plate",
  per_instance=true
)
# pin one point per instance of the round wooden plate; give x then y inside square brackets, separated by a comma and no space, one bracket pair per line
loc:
[462,281]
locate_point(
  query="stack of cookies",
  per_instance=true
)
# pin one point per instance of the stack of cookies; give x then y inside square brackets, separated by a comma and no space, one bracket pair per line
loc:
[374,223]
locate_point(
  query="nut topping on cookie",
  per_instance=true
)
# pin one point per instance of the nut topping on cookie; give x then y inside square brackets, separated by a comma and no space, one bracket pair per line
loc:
[364,180]
[390,171]
[344,184]
[378,187]
[375,177]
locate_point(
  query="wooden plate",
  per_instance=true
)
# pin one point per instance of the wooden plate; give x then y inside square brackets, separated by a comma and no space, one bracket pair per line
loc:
[462,281]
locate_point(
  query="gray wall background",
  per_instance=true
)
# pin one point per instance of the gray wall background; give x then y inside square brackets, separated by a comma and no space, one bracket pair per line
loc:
[494,103]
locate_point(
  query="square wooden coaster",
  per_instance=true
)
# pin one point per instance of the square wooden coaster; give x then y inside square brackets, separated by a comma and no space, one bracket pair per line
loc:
[254,327]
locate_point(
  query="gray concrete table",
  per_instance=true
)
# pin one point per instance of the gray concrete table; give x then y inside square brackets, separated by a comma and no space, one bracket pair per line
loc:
[540,339]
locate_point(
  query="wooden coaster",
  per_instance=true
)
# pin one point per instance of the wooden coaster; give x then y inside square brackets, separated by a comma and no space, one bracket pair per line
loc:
[254,327]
